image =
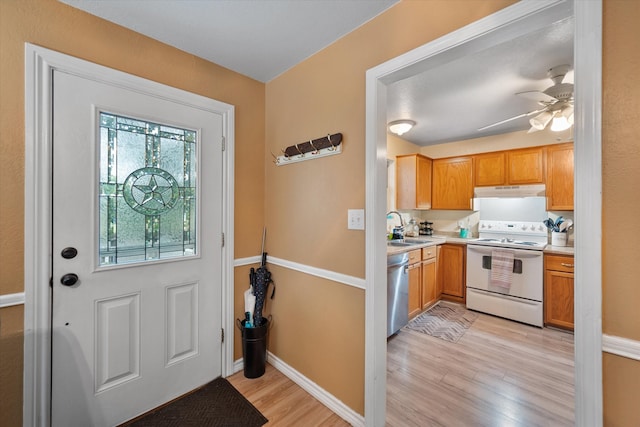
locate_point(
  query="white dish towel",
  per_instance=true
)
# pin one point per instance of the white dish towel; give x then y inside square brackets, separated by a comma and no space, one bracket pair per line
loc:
[502,268]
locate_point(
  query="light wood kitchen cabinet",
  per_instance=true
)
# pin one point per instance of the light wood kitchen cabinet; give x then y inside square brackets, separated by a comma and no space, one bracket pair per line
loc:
[413,182]
[525,166]
[490,169]
[415,276]
[428,292]
[558,291]
[560,177]
[438,273]
[451,272]
[452,183]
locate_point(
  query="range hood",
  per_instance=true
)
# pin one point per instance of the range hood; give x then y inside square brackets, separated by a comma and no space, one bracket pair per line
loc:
[535,190]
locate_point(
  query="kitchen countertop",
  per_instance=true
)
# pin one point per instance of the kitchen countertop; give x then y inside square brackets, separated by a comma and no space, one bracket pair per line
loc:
[433,241]
[559,250]
[441,239]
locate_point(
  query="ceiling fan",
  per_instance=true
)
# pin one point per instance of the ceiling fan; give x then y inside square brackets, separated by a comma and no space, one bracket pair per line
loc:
[556,102]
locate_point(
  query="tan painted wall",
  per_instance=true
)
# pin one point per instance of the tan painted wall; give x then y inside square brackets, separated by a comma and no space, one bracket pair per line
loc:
[82,35]
[11,356]
[306,203]
[621,205]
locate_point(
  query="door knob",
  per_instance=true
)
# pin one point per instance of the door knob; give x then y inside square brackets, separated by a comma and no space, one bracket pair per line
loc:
[68,253]
[69,279]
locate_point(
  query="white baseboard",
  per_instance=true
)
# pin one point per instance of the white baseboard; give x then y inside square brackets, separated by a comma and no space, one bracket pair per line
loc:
[621,346]
[326,398]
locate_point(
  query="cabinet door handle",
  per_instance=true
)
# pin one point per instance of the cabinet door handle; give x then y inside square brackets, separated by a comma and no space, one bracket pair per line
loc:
[564,264]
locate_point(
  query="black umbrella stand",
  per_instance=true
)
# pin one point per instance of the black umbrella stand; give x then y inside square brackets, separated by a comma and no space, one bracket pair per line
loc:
[254,339]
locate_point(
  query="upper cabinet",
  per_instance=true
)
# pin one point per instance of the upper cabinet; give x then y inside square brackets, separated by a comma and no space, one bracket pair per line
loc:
[490,169]
[525,166]
[511,167]
[560,177]
[413,182]
[453,183]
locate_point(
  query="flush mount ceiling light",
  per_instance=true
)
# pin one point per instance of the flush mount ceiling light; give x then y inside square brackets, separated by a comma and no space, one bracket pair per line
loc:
[401,126]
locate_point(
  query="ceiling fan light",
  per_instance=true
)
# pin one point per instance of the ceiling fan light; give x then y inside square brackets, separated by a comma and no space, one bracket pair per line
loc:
[400,127]
[560,123]
[540,121]
[568,113]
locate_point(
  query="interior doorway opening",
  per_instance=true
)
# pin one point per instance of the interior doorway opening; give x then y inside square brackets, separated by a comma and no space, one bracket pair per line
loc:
[514,20]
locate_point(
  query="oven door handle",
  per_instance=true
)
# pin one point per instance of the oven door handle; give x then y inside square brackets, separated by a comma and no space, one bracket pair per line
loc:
[519,253]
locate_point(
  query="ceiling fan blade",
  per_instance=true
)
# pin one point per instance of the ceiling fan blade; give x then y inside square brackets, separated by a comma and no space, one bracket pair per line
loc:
[530,113]
[536,95]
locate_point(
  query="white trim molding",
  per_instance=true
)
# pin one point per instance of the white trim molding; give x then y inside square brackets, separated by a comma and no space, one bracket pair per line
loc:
[323,396]
[39,66]
[319,272]
[619,346]
[9,300]
[239,262]
[303,268]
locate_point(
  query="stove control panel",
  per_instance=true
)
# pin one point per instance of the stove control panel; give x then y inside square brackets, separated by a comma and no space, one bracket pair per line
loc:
[513,227]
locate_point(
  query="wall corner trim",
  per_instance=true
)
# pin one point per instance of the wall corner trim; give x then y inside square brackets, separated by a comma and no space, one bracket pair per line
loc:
[620,346]
[9,300]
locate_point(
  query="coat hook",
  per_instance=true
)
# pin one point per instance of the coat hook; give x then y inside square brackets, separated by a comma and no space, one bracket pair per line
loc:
[316,151]
[275,158]
[299,151]
[333,147]
[286,156]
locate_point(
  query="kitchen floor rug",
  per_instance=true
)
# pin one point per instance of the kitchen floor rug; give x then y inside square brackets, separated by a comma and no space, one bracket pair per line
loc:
[445,321]
[215,404]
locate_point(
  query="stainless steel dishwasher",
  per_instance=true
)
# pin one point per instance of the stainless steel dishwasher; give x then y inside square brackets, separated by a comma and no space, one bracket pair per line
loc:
[397,292]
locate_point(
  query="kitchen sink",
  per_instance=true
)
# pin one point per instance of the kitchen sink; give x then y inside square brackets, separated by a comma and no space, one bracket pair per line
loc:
[392,243]
[418,241]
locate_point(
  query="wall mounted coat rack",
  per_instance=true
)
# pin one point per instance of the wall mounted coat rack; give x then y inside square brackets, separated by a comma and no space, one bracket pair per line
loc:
[313,149]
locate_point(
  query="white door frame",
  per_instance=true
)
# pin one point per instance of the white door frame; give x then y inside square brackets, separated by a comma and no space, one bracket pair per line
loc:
[588,185]
[39,66]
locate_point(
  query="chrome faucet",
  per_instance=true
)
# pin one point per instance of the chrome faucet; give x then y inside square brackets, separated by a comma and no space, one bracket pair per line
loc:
[398,232]
[399,216]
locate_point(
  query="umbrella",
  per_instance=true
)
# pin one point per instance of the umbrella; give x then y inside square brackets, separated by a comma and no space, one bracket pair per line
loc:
[260,280]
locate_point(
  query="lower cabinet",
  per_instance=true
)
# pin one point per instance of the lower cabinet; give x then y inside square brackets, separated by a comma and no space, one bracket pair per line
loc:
[422,280]
[415,305]
[415,276]
[429,289]
[558,291]
[451,272]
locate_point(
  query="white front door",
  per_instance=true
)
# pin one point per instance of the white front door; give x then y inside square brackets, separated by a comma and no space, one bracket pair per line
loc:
[136,253]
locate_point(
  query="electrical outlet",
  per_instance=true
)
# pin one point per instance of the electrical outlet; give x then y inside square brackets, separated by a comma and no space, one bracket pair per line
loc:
[355,219]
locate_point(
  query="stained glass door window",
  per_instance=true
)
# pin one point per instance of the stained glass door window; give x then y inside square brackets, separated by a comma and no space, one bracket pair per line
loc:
[147,191]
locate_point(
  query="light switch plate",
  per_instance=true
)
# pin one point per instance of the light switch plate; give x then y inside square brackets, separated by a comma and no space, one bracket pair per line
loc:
[355,219]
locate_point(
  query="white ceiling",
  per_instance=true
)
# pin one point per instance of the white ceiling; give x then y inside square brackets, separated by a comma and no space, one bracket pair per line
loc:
[264,38]
[258,38]
[452,101]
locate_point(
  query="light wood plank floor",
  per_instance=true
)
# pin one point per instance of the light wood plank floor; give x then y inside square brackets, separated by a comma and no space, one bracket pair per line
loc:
[500,373]
[283,402]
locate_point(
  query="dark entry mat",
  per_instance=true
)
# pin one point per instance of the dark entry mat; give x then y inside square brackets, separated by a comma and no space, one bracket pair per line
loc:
[215,404]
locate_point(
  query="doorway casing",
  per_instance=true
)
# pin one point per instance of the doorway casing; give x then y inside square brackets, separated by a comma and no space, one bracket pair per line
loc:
[510,22]
[39,66]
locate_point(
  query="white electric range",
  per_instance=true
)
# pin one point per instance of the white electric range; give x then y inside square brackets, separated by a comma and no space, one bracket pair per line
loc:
[521,298]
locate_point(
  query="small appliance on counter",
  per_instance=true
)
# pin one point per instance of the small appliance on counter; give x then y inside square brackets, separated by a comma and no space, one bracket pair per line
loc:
[426,228]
